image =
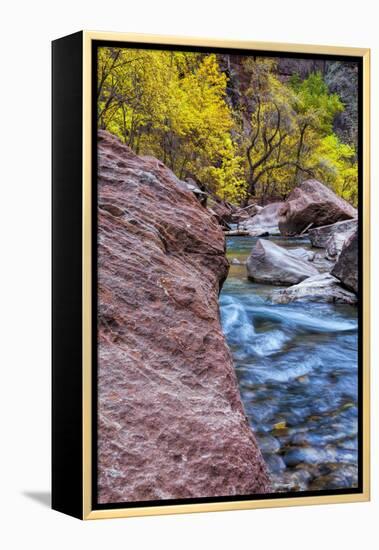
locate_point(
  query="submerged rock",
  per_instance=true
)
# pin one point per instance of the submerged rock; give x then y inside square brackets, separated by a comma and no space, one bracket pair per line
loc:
[312,204]
[346,268]
[271,264]
[171,421]
[264,222]
[337,476]
[319,288]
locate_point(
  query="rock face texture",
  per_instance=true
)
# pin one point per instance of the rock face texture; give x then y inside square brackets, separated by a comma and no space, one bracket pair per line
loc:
[272,264]
[171,424]
[319,288]
[222,211]
[312,204]
[346,268]
[342,78]
[265,221]
[332,237]
[320,236]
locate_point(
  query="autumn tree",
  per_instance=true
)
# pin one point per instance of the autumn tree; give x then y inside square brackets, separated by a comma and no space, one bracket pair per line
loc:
[172,105]
[254,141]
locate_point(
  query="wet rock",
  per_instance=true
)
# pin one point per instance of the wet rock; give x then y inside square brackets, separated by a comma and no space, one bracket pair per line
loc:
[268,444]
[275,463]
[338,476]
[307,455]
[312,204]
[264,222]
[346,268]
[319,288]
[271,264]
[171,421]
[291,481]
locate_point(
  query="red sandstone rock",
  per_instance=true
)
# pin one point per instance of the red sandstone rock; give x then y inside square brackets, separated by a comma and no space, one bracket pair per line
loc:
[171,421]
[312,204]
[346,268]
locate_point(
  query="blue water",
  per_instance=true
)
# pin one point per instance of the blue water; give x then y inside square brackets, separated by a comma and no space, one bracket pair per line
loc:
[297,370]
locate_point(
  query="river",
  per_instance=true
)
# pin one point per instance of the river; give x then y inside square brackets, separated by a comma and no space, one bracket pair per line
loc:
[297,370]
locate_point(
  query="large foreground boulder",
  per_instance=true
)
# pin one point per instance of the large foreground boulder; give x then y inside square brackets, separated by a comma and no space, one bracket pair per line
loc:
[271,264]
[346,268]
[312,204]
[264,222]
[171,424]
[319,288]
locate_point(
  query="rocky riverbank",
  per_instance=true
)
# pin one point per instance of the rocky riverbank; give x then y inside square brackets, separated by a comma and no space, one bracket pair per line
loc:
[297,368]
[171,423]
[287,314]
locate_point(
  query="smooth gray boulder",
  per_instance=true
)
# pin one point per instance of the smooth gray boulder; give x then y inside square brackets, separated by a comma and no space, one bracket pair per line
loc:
[264,222]
[272,264]
[302,253]
[319,288]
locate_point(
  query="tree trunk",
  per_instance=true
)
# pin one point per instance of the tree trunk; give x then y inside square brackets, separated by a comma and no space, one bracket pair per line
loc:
[299,150]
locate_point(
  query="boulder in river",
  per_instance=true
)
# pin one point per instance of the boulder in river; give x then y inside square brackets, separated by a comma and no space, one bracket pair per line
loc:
[312,204]
[332,237]
[264,222]
[320,236]
[171,424]
[319,288]
[346,268]
[302,253]
[269,263]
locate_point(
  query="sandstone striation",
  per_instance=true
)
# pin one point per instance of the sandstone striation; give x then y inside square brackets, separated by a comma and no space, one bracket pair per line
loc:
[171,424]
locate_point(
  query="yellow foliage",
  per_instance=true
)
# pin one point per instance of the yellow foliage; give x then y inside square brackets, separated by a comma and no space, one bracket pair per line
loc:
[174,105]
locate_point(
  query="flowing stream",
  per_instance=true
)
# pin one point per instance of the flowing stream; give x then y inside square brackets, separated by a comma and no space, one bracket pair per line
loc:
[297,371]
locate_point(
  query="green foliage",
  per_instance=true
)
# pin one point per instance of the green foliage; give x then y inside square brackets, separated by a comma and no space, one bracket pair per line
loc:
[335,165]
[314,105]
[275,134]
